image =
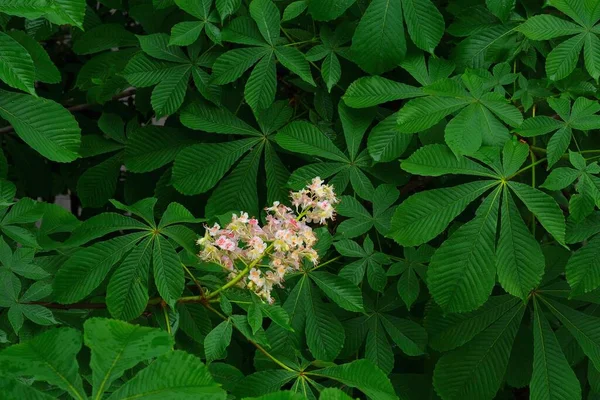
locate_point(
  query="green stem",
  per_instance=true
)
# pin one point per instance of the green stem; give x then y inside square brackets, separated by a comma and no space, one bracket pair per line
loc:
[326,262]
[258,346]
[541,160]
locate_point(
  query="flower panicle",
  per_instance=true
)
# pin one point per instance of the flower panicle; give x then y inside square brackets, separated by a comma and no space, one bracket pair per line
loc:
[281,244]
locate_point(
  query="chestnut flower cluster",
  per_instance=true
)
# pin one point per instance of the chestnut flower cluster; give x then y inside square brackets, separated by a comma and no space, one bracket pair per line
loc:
[259,257]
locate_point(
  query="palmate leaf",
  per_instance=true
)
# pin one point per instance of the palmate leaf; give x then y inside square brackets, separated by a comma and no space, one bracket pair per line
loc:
[543,207]
[16,68]
[377,347]
[362,375]
[295,61]
[117,346]
[266,15]
[238,189]
[167,270]
[552,376]
[127,291]
[423,113]
[199,167]
[425,215]
[563,58]
[151,147]
[232,64]
[60,12]
[583,327]
[328,10]
[50,357]
[545,27]
[386,142]
[437,160]
[175,374]
[520,261]
[461,272]
[424,22]
[100,225]
[378,44]
[43,124]
[449,331]
[340,290]
[370,91]
[217,341]
[168,95]
[304,137]
[98,184]
[324,333]
[262,84]
[475,370]
[88,267]
[583,268]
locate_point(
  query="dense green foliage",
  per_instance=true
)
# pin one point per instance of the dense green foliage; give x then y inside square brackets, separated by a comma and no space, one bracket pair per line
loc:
[461,137]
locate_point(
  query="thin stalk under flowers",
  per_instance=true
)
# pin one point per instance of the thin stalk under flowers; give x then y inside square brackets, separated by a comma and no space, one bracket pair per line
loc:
[241,275]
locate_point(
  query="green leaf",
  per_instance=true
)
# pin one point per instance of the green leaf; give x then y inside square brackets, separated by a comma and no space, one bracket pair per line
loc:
[545,27]
[425,215]
[168,95]
[378,44]
[543,207]
[362,375]
[354,124]
[293,10]
[127,291]
[560,178]
[14,389]
[100,225]
[227,7]
[331,70]
[562,59]
[88,267]
[266,15]
[98,184]
[328,10]
[238,189]
[423,113]
[514,155]
[552,376]
[202,117]
[16,65]
[185,33]
[475,371]
[449,331]
[501,8]
[157,46]
[43,124]
[583,327]
[199,167]
[262,84]
[45,70]
[340,290]
[408,335]
[583,268]
[538,126]
[519,258]
[370,91]
[143,71]
[173,375]
[168,271]
[151,147]
[461,273]
[104,37]
[232,64]
[424,22]
[386,142]
[591,55]
[50,357]
[217,341]
[333,394]
[377,347]
[437,160]
[292,59]
[117,346]
[324,333]
[143,208]
[303,137]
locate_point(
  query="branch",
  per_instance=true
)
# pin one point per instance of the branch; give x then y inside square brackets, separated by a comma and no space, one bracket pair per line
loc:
[80,107]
